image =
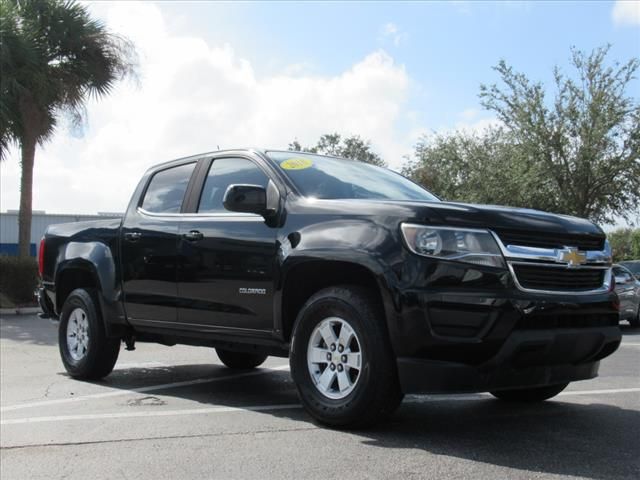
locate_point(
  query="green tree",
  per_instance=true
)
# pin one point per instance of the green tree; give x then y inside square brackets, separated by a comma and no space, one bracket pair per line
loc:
[577,153]
[625,244]
[478,168]
[53,58]
[586,140]
[353,147]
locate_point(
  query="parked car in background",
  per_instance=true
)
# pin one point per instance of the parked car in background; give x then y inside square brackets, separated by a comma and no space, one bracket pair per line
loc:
[633,266]
[628,290]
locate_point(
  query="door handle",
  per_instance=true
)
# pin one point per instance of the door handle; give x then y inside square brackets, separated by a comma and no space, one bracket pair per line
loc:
[132,236]
[193,236]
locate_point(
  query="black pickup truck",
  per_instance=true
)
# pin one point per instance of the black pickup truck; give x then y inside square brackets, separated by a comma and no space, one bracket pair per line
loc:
[371,285]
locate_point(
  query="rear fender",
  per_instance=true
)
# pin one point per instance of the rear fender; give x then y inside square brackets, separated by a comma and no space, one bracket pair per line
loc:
[96,260]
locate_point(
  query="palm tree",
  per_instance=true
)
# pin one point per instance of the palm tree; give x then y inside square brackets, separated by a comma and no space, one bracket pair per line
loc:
[53,58]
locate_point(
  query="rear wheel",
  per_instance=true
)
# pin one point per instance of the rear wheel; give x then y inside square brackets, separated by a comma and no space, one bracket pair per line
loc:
[85,349]
[341,359]
[240,360]
[530,395]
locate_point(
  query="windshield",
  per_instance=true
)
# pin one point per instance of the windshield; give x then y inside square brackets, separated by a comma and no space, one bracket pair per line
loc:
[335,178]
[634,267]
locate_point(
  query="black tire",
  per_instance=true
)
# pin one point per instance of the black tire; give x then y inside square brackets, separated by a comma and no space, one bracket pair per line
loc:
[635,322]
[240,360]
[376,393]
[530,395]
[101,352]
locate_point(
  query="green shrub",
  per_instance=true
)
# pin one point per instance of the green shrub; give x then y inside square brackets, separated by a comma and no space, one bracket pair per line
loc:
[625,243]
[18,279]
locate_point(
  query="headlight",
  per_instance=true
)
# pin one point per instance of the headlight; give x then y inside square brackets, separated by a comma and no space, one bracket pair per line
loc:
[459,244]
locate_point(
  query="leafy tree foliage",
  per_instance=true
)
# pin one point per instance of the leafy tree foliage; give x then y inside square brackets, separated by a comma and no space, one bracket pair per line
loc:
[577,153]
[478,168]
[353,147]
[625,244]
[53,57]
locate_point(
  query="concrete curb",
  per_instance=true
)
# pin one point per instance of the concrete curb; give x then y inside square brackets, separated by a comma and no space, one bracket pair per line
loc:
[20,311]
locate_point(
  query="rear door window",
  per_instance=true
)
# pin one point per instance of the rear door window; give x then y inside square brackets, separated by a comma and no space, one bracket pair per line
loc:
[166,190]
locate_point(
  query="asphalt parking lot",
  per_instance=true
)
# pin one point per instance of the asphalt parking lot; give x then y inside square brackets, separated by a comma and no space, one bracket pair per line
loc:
[176,412]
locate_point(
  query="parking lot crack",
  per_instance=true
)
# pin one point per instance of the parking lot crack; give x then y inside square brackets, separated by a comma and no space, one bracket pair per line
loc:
[48,389]
[143,439]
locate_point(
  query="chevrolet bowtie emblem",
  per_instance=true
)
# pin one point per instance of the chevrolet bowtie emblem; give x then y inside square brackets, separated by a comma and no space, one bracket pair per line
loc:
[572,257]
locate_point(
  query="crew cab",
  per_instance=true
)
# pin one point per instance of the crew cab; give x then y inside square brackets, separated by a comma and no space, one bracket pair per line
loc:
[371,285]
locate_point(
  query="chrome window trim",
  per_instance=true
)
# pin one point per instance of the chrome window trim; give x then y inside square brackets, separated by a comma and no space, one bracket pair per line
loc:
[211,216]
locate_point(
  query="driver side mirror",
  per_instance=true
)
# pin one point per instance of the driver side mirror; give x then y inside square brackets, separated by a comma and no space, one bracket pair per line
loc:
[252,199]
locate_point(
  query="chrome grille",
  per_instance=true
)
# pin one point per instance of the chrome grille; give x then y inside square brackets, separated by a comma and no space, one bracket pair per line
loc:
[552,278]
[567,264]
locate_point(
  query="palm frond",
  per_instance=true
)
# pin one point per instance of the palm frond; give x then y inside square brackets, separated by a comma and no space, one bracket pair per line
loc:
[53,54]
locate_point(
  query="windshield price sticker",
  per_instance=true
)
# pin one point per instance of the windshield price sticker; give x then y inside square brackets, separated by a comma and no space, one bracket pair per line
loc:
[296,164]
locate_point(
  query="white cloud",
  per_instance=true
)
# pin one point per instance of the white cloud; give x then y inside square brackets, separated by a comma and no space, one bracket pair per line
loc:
[391,31]
[626,12]
[193,97]
[469,114]
[472,121]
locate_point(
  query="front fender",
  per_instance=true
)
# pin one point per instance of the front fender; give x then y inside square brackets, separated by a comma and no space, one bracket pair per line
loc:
[360,242]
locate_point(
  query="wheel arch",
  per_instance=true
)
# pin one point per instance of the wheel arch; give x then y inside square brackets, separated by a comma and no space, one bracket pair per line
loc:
[73,275]
[90,265]
[307,276]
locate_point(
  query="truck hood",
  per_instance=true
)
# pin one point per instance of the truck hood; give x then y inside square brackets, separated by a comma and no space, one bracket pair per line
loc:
[493,216]
[459,215]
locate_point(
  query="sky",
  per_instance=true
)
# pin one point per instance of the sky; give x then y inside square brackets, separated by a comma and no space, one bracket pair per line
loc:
[242,74]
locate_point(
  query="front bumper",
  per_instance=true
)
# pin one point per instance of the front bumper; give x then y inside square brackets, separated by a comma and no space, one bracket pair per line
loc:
[526,359]
[456,328]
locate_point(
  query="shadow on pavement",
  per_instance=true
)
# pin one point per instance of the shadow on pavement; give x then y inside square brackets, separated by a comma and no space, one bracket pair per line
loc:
[234,388]
[28,329]
[595,441]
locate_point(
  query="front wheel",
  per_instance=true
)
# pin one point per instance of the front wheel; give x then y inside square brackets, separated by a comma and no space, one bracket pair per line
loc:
[530,395]
[240,360]
[341,359]
[86,351]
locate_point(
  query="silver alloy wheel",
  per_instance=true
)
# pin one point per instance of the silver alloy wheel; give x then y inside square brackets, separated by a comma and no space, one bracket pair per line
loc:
[334,358]
[78,334]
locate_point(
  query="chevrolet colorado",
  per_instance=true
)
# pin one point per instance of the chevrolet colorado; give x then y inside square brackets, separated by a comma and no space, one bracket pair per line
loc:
[372,286]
